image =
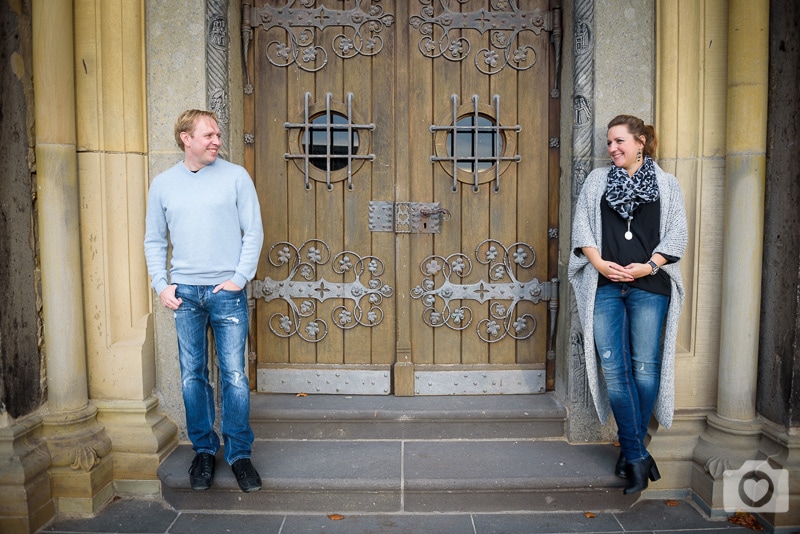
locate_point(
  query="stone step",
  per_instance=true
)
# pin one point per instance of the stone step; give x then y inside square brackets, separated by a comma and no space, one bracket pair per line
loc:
[343,454]
[380,476]
[390,417]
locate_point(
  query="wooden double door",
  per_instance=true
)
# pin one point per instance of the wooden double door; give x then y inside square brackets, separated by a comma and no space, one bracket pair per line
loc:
[405,153]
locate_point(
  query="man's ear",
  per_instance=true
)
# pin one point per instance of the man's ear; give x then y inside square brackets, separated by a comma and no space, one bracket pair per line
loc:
[185,137]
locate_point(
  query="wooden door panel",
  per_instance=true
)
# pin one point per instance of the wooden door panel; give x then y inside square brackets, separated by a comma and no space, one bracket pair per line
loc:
[391,75]
[270,143]
[330,216]
[379,88]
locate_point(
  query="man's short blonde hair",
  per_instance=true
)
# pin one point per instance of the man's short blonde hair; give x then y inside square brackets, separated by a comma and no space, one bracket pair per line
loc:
[187,122]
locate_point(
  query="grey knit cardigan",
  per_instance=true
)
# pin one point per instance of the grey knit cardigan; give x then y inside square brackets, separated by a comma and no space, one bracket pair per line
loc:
[587,231]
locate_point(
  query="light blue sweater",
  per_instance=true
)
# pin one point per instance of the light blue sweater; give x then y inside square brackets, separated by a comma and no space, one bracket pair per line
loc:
[213,221]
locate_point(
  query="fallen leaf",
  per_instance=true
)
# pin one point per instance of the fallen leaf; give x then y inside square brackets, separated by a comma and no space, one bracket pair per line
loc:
[335,517]
[672,502]
[589,515]
[746,520]
[301,394]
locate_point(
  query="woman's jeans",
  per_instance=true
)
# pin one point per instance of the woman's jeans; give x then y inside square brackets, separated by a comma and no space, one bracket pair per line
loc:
[226,313]
[628,324]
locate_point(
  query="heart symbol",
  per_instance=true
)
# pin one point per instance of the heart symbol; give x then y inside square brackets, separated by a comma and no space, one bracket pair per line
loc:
[756,489]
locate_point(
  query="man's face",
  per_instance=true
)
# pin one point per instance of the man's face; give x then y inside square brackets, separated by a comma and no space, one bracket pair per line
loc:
[201,146]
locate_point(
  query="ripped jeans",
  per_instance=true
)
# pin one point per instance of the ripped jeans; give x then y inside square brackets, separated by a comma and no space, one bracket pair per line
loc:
[628,326]
[226,313]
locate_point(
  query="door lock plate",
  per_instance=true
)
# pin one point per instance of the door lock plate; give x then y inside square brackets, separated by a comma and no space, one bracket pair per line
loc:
[406,217]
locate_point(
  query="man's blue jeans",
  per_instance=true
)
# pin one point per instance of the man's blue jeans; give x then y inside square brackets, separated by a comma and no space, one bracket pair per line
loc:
[226,313]
[628,324]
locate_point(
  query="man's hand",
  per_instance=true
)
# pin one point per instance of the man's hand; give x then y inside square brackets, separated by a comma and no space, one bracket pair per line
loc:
[227,286]
[168,298]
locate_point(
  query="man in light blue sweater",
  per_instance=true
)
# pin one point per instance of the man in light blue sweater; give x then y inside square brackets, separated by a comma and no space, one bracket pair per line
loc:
[208,210]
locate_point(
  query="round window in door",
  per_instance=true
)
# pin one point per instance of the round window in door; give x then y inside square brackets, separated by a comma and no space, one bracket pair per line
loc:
[330,143]
[475,148]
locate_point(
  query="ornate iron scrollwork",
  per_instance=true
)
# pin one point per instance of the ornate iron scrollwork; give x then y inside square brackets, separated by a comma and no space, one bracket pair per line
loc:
[441,301]
[442,33]
[301,290]
[300,25]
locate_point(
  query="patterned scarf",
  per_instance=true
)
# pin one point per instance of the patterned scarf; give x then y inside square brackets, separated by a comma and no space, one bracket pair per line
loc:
[624,193]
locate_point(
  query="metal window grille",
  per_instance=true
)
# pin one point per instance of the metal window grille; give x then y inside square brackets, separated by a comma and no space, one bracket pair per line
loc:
[474,159]
[308,128]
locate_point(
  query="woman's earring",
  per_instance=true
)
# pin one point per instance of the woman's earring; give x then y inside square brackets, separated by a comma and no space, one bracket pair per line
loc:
[639,156]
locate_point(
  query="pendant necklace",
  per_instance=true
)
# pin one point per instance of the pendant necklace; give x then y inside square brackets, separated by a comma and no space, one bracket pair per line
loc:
[628,234]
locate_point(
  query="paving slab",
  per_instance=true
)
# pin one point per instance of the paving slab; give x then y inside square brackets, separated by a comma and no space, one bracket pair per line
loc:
[122,515]
[655,515]
[278,416]
[546,523]
[379,524]
[216,523]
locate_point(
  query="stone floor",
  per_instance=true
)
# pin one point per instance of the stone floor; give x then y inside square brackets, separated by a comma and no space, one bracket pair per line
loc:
[153,516]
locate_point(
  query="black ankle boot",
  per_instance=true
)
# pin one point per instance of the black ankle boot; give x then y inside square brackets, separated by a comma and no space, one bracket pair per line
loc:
[638,474]
[619,470]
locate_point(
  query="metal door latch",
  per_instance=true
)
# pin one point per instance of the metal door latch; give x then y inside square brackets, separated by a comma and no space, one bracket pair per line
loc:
[406,217]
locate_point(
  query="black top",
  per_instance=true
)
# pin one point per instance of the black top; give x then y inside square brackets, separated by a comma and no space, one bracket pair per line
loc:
[645,228]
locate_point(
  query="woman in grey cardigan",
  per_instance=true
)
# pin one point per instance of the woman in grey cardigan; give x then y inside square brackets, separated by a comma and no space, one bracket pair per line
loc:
[629,232]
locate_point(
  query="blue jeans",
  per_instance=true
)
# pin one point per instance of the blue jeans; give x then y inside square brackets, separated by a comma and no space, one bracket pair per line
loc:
[226,313]
[628,325]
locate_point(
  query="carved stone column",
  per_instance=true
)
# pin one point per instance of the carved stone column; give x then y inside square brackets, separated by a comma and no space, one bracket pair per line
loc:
[217,67]
[112,173]
[79,448]
[733,432]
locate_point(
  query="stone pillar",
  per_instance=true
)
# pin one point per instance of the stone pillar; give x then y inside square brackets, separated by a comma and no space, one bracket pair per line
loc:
[79,448]
[733,432]
[779,346]
[691,102]
[112,173]
[25,501]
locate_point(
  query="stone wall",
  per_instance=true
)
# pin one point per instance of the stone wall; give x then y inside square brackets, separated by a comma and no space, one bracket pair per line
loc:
[176,66]
[21,377]
[620,83]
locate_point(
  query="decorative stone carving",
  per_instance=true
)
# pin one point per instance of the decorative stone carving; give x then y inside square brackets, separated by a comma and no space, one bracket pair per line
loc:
[716,466]
[85,458]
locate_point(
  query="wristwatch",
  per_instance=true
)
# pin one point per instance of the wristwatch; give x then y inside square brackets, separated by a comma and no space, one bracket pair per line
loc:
[654,265]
